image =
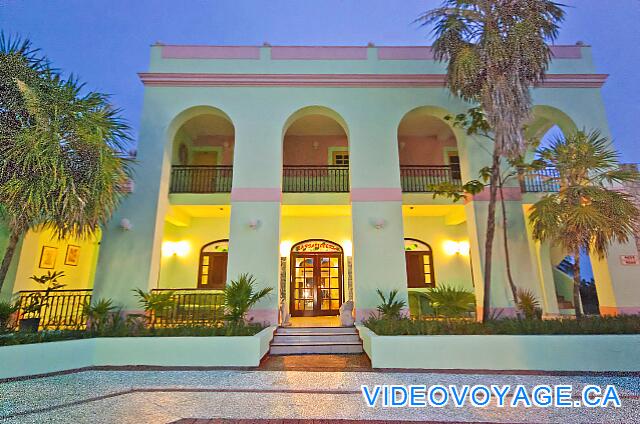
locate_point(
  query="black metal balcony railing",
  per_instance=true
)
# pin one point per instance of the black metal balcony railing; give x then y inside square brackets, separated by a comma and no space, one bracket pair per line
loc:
[418,179]
[540,181]
[315,179]
[201,179]
[61,310]
[192,307]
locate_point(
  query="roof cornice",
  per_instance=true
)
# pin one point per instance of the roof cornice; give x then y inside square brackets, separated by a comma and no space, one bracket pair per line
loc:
[161,79]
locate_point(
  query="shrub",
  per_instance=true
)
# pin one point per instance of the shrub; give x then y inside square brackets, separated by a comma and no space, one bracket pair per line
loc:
[125,331]
[624,324]
[390,308]
[528,305]
[7,309]
[239,297]
[155,303]
[100,313]
[449,301]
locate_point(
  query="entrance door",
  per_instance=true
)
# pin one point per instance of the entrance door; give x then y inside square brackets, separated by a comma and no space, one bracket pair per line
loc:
[213,270]
[316,284]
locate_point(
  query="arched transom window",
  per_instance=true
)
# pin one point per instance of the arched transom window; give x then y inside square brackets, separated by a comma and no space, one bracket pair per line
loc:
[212,270]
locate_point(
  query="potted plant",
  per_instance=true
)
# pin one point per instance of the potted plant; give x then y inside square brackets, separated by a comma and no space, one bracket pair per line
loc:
[37,300]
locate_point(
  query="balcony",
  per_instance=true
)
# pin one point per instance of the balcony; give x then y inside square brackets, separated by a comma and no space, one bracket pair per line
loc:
[61,309]
[191,307]
[540,181]
[201,179]
[315,179]
[418,179]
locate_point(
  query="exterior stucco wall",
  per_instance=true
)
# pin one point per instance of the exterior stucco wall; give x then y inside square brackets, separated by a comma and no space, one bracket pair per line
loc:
[370,116]
[181,272]
[502,352]
[425,150]
[79,276]
[300,150]
[449,269]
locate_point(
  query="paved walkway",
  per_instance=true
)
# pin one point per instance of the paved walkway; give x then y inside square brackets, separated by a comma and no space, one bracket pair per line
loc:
[346,363]
[152,396]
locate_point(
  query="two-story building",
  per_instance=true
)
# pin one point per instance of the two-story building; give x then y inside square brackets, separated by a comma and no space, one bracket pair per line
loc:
[311,168]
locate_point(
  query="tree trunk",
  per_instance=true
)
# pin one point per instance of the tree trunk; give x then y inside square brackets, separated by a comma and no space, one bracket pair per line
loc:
[491,228]
[577,302]
[507,258]
[14,236]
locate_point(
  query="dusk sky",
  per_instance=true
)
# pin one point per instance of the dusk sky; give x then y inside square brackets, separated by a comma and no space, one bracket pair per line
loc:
[107,42]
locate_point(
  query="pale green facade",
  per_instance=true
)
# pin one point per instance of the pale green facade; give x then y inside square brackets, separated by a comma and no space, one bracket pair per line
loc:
[368,92]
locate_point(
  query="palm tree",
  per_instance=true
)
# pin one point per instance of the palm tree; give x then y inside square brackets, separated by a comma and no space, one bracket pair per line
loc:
[496,51]
[587,213]
[240,296]
[62,160]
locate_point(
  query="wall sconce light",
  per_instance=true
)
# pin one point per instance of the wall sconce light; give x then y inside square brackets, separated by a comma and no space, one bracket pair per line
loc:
[125,224]
[177,248]
[226,144]
[254,224]
[315,145]
[402,145]
[378,223]
[285,248]
[456,247]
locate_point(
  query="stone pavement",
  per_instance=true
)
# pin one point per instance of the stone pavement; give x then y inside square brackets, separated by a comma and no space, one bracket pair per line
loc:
[276,393]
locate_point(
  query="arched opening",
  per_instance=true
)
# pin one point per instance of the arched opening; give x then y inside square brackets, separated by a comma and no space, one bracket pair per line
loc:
[315,152]
[202,154]
[547,125]
[212,267]
[316,278]
[428,151]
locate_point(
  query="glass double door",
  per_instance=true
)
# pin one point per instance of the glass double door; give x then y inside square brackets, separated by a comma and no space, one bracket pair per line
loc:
[316,284]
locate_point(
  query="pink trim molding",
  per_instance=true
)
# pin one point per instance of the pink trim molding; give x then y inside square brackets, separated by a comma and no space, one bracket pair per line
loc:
[210,52]
[506,312]
[406,53]
[376,195]
[566,52]
[364,313]
[256,195]
[619,310]
[510,193]
[341,80]
[318,53]
[262,316]
[426,52]
[325,52]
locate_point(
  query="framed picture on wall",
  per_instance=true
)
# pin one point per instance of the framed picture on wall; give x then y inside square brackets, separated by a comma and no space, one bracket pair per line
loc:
[73,255]
[48,257]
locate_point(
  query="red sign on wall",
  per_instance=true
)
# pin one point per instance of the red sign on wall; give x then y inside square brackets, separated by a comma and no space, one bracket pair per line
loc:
[629,260]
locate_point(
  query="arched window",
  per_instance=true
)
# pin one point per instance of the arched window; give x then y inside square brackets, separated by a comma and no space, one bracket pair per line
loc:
[419,259]
[212,270]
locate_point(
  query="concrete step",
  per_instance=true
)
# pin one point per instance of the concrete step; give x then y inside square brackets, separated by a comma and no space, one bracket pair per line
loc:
[315,348]
[315,340]
[316,337]
[309,330]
